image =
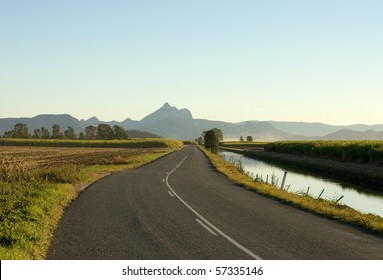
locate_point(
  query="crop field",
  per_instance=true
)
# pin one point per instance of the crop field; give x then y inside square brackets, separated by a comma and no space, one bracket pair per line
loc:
[37,183]
[257,146]
[347,151]
[131,143]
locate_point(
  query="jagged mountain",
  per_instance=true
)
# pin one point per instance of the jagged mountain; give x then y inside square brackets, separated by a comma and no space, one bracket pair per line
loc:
[167,112]
[175,123]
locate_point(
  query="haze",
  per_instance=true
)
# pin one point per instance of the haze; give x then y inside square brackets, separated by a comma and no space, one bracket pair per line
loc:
[312,61]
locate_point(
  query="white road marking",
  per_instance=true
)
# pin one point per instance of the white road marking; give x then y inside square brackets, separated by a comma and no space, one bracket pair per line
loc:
[206,227]
[217,230]
[170,193]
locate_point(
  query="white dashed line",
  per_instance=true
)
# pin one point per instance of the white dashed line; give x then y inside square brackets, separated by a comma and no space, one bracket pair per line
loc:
[171,194]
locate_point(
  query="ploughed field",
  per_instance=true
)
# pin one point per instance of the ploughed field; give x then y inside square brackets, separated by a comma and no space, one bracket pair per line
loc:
[31,157]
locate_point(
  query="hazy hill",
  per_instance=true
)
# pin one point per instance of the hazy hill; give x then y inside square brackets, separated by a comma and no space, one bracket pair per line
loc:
[175,123]
[319,130]
[39,121]
[347,134]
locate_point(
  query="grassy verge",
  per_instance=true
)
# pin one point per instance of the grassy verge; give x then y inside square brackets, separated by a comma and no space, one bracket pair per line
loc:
[326,208]
[32,201]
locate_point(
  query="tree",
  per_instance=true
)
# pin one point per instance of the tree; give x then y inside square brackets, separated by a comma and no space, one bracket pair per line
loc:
[105,132]
[69,133]
[199,140]
[8,134]
[56,133]
[45,134]
[119,132]
[241,139]
[212,138]
[249,138]
[90,132]
[37,133]
[20,131]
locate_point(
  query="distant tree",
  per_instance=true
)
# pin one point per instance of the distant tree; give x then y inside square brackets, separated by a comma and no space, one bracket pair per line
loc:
[212,138]
[249,138]
[241,139]
[69,133]
[37,133]
[20,131]
[56,132]
[45,134]
[90,132]
[81,135]
[120,132]
[199,140]
[105,132]
[8,134]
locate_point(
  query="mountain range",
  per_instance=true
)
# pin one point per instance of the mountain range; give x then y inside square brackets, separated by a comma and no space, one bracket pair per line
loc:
[171,122]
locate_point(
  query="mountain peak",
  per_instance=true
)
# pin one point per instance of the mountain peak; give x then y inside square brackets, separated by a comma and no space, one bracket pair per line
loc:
[167,112]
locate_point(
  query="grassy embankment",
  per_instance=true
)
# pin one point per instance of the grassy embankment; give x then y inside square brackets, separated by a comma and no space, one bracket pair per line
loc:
[326,208]
[32,198]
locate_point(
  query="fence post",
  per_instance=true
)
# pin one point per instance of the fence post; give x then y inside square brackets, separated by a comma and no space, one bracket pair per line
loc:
[321,194]
[283,181]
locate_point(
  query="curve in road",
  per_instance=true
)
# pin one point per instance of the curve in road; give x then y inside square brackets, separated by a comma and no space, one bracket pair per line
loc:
[180,207]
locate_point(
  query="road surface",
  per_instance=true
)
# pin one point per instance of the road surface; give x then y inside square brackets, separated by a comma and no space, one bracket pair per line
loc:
[180,207]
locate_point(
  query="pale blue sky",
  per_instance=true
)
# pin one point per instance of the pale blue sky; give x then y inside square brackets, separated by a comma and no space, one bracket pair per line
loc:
[314,61]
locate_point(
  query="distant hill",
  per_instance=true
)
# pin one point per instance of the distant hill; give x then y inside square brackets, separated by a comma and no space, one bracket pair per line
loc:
[46,121]
[320,130]
[171,122]
[347,134]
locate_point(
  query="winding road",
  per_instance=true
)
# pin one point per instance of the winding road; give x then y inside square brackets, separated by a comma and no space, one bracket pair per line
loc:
[180,207]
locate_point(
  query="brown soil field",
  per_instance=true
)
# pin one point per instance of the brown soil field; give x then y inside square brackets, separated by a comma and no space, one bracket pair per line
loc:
[32,157]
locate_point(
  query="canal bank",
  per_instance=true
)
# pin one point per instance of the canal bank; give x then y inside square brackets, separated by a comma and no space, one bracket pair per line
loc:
[371,176]
[329,209]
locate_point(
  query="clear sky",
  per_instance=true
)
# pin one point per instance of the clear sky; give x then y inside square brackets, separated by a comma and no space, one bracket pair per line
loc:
[291,60]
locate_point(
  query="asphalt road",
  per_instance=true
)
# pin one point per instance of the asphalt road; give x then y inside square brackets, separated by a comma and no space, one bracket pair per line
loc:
[180,207]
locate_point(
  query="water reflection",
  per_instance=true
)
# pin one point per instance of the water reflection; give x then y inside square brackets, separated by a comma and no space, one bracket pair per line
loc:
[299,181]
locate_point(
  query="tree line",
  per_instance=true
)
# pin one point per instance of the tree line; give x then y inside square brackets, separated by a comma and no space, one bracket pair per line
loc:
[102,132]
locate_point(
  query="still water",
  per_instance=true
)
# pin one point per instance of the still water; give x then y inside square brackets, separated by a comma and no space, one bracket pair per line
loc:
[299,181]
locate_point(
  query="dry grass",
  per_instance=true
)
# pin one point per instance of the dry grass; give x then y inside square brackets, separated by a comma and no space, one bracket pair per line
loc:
[37,183]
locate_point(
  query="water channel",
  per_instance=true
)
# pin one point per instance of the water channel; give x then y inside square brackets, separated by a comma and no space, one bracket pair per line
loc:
[299,181]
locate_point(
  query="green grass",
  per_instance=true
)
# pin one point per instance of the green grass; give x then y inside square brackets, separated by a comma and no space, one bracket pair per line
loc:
[347,151]
[326,208]
[131,143]
[32,201]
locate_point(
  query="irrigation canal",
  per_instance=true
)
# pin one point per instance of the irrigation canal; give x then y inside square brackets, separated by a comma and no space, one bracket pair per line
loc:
[300,181]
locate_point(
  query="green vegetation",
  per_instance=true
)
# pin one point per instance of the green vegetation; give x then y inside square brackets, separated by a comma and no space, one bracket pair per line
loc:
[101,132]
[236,144]
[347,151]
[326,208]
[212,138]
[33,197]
[132,143]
